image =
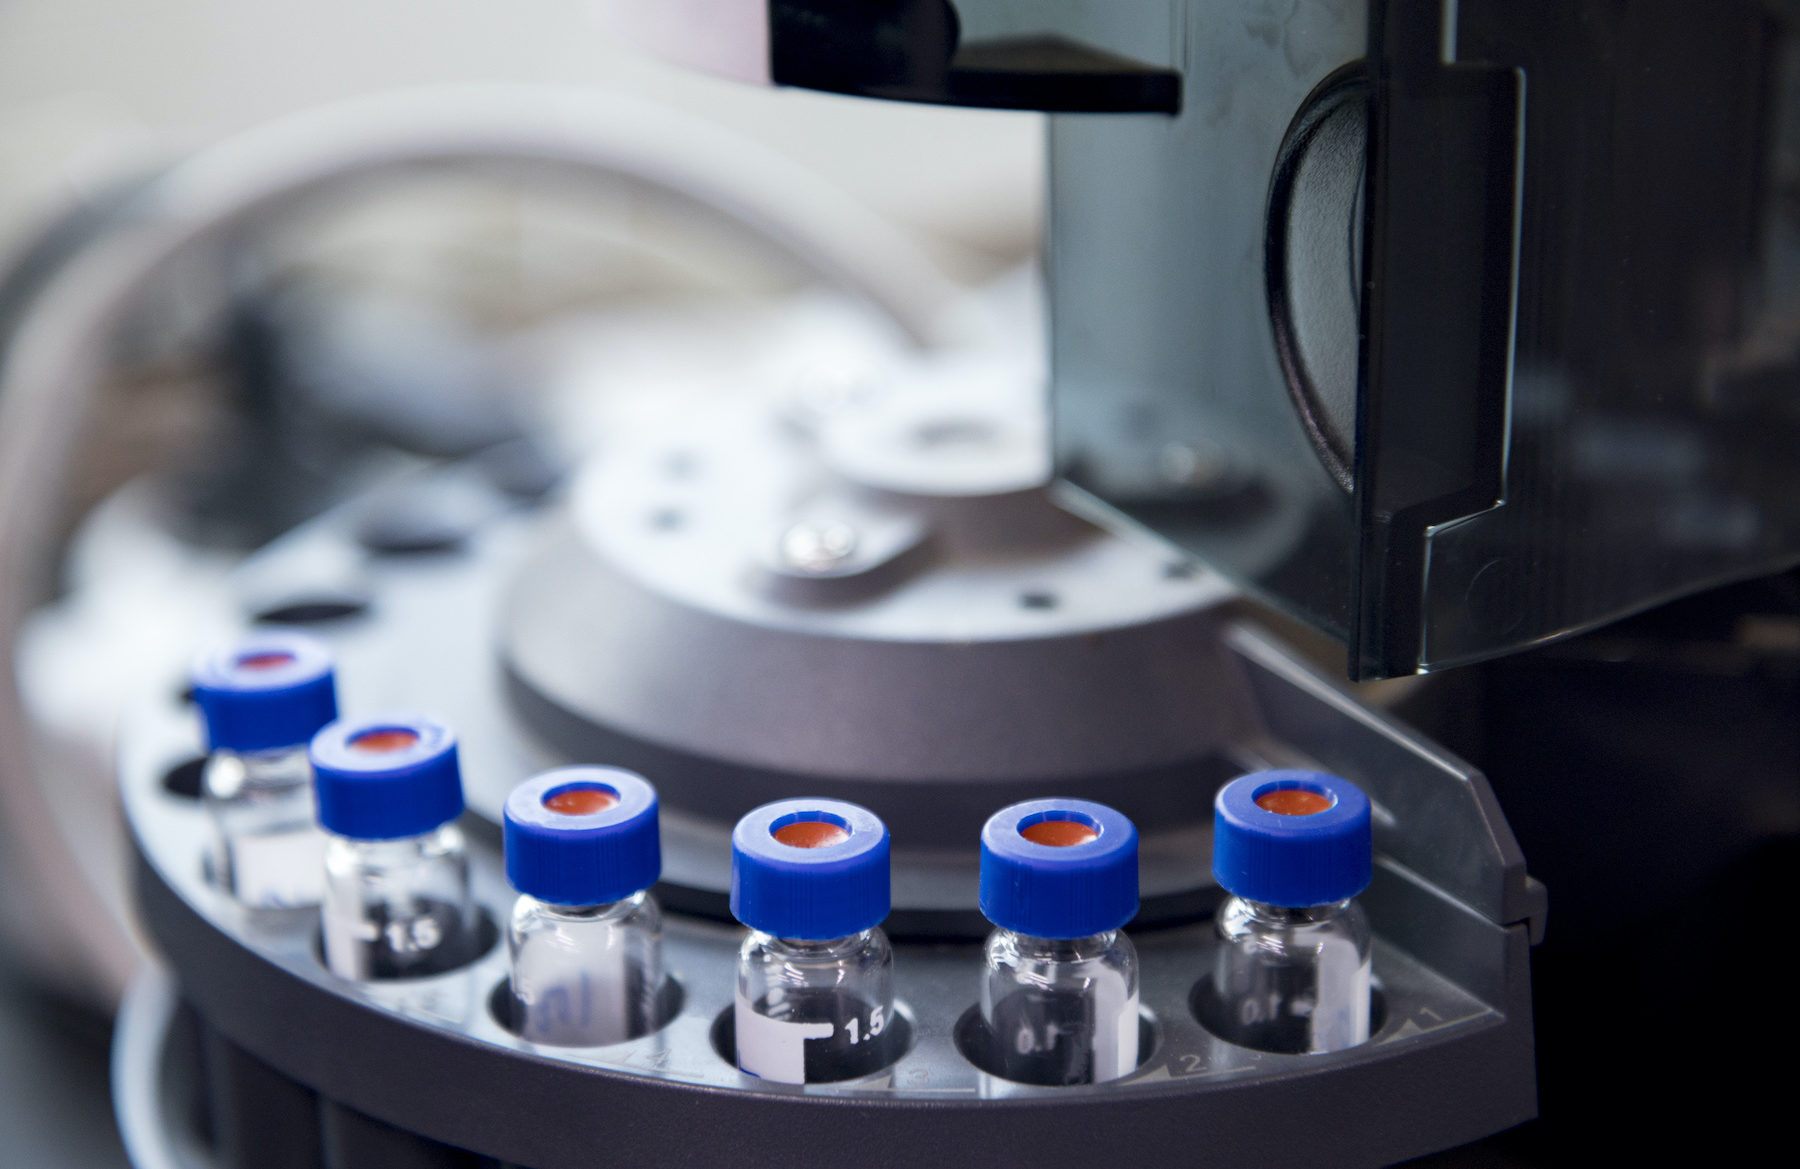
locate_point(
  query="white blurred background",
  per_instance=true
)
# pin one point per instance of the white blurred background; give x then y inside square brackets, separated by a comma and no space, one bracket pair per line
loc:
[94,93]
[84,83]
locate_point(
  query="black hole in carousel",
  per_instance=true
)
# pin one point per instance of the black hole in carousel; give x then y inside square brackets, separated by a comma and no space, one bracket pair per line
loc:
[311,610]
[184,778]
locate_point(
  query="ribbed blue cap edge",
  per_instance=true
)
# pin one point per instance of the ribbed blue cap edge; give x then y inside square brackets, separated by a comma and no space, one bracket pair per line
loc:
[252,709]
[1051,891]
[1292,861]
[811,894]
[582,859]
[387,795]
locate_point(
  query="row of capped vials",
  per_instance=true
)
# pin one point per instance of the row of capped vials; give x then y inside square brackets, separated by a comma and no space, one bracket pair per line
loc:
[358,816]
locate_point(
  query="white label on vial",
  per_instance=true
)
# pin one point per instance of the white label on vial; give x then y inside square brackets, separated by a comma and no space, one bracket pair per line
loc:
[279,868]
[1115,1029]
[771,1049]
[1340,1018]
[347,938]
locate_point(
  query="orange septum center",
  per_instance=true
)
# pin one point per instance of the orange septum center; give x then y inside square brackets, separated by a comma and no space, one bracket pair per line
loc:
[384,740]
[581,801]
[810,834]
[1058,833]
[265,661]
[1293,802]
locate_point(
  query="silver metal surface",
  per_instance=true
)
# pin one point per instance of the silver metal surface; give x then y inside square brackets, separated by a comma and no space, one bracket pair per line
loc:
[891,594]
[432,631]
[431,628]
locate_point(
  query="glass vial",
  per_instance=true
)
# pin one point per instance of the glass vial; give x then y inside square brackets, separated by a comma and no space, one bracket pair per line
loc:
[396,876]
[261,701]
[815,979]
[1059,988]
[1292,974]
[585,937]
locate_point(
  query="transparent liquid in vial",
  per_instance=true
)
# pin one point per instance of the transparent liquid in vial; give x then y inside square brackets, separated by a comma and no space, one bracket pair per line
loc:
[268,850]
[1292,980]
[586,976]
[1061,1011]
[397,908]
[815,1012]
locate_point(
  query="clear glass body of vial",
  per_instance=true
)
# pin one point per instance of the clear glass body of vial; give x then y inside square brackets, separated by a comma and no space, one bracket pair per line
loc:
[586,975]
[268,849]
[1061,1010]
[397,908]
[1293,980]
[813,1012]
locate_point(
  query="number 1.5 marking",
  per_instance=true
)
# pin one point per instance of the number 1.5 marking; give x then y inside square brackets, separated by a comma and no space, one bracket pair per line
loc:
[877,1024]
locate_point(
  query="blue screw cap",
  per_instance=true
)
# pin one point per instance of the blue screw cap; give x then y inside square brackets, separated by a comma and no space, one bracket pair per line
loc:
[1292,860]
[1070,883]
[582,857]
[811,894]
[267,692]
[386,778]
